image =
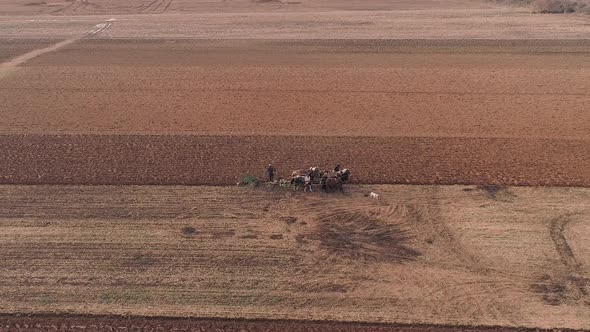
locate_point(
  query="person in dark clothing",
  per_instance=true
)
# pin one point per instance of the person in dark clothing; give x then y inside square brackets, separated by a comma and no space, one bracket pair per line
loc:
[270,172]
[337,168]
[323,181]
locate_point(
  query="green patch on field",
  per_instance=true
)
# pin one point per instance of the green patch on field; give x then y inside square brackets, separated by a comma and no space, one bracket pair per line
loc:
[129,296]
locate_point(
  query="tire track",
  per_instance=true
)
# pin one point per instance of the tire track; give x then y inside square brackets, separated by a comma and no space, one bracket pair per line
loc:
[87,7]
[72,7]
[566,254]
[11,65]
[20,60]
[158,6]
[99,28]
[149,5]
[63,9]
[568,283]
[168,5]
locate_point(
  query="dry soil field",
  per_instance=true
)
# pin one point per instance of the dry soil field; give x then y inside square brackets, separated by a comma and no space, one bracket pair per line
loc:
[179,92]
[421,254]
[444,111]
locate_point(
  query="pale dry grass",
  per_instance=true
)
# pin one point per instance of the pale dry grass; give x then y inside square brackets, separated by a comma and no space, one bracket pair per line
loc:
[418,254]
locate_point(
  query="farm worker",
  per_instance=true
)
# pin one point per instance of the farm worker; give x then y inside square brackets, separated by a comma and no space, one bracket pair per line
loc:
[307,181]
[337,168]
[270,172]
[323,181]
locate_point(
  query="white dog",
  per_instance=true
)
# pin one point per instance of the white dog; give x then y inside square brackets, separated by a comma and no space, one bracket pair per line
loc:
[374,195]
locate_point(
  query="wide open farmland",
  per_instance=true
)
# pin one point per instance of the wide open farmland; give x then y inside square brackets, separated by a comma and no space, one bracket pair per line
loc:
[113,111]
[446,111]
[419,254]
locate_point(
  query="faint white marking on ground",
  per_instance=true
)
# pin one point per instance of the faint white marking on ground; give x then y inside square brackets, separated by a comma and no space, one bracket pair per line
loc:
[12,65]
[98,29]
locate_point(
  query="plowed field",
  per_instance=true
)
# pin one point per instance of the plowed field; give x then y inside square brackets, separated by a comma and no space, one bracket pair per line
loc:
[453,88]
[110,323]
[222,160]
[184,92]
[421,112]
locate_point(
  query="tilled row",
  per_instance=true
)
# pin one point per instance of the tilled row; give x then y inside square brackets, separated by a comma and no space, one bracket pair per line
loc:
[117,323]
[222,160]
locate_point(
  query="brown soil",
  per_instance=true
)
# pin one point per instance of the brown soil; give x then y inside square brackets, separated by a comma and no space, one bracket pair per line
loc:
[453,88]
[418,254]
[329,19]
[422,112]
[113,323]
[222,160]
[89,7]
[494,112]
[12,48]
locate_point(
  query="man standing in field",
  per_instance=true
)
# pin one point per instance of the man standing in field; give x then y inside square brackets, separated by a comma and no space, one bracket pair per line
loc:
[270,172]
[307,181]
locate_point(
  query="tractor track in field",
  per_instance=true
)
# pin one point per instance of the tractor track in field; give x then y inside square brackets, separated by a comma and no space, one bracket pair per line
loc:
[10,65]
[99,28]
[155,6]
[567,283]
[87,7]
[556,231]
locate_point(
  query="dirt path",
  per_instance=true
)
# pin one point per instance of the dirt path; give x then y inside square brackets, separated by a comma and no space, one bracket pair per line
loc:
[33,54]
[10,66]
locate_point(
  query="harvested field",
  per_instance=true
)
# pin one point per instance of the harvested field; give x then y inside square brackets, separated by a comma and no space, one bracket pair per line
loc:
[419,254]
[443,20]
[221,160]
[85,7]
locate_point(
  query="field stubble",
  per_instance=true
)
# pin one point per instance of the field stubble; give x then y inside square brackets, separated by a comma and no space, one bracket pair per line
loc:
[419,254]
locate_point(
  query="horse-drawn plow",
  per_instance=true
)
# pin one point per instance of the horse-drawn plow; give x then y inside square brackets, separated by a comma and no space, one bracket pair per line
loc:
[314,178]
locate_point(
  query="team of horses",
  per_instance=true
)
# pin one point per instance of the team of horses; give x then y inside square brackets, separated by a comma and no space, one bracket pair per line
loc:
[330,180]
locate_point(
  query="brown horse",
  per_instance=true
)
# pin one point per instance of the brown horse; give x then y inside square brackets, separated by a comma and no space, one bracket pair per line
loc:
[332,184]
[315,173]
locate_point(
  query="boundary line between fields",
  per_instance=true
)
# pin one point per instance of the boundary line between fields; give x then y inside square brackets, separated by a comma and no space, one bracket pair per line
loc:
[334,323]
